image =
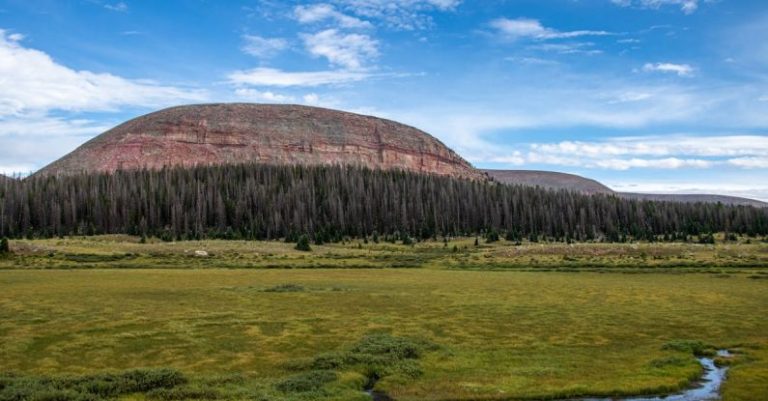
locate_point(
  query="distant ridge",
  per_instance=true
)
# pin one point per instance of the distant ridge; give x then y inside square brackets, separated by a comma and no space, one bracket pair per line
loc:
[549,180]
[570,182]
[694,198]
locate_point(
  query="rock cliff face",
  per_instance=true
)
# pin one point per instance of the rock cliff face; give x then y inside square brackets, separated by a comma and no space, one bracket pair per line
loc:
[272,134]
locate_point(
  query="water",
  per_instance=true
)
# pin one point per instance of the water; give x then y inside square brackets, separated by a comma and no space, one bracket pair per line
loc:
[707,389]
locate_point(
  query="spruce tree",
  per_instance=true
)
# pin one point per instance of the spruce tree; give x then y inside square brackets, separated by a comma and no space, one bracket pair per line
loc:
[303,244]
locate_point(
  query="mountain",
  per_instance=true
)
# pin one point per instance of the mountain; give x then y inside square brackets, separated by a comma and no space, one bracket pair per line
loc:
[272,134]
[557,181]
[236,133]
[549,180]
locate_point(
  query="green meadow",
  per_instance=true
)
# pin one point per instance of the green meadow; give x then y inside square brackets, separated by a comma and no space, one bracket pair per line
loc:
[110,318]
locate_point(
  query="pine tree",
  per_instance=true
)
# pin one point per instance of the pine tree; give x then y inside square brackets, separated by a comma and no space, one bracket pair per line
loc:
[303,244]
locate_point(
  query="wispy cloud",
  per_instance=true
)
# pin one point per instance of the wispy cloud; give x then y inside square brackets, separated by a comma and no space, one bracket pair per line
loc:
[119,7]
[350,51]
[587,48]
[37,137]
[666,153]
[267,77]
[682,70]
[742,189]
[398,14]
[311,99]
[263,47]
[749,162]
[321,12]
[686,6]
[525,28]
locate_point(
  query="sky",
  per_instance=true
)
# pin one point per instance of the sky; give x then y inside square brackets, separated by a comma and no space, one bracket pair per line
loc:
[666,96]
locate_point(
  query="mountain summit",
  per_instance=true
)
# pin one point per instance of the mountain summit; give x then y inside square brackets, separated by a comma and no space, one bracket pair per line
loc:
[214,134]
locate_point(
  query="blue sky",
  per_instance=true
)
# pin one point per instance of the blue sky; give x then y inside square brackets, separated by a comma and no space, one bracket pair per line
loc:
[643,95]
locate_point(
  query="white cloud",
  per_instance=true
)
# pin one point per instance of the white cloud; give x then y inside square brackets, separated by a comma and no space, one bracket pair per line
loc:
[746,190]
[350,51]
[263,47]
[398,14]
[30,80]
[749,162]
[568,48]
[631,96]
[711,146]
[321,12]
[687,6]
[525,28]
[119,7]
[648,152]
[279,78]
[311,98]
[532,61]
[254,95]
[33,86]
[682,70]
[669,163]
[37,138]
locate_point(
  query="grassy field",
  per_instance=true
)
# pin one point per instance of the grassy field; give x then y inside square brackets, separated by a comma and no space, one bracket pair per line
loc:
[458,253]
[442,329]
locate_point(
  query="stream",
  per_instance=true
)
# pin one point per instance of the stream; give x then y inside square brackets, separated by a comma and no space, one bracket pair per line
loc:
[706,389]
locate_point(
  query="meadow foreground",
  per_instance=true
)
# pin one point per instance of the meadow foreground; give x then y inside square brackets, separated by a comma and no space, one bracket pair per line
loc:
[446,333]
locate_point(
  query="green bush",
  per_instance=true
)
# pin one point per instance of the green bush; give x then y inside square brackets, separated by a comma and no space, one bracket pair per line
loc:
[87,388]
[669,361]
[694,347]
[308,381]
[303,244]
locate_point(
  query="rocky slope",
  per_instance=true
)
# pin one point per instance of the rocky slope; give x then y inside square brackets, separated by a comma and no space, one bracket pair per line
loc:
[273,134]
[570,182]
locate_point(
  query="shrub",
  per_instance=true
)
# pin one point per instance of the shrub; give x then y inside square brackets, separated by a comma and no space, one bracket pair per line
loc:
[669,361]
[492,236]
[5,247]
[88,388]
[308,381]
[303,244]
[694,347]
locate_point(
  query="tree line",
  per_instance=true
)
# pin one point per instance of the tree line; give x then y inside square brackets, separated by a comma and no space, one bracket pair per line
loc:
[328,203]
